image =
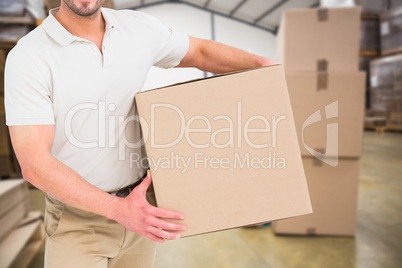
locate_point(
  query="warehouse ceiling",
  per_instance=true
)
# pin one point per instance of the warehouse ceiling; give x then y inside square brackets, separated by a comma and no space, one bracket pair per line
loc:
[263,14]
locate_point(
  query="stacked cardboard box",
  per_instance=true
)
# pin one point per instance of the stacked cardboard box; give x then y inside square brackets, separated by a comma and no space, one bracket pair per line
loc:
[394,115]
[20,246]
[395,4]
[386,88]
[386,81]
[373,7]
[2,65]
[10,34]
[6,167]
[5,163]
[14,204]
[370,46]
[21,231]
[320,48]
[9,166]
[12,7]
[364,66]
[370,36]
[391,32]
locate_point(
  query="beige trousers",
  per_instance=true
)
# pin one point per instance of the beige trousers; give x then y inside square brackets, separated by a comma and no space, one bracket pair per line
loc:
[76,238]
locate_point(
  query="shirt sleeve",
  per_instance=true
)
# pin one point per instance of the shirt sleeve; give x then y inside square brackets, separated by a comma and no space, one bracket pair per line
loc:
[172,45]
[173,51]
[27,90]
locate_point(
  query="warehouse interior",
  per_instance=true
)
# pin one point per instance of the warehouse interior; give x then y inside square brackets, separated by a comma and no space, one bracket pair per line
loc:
[356,60]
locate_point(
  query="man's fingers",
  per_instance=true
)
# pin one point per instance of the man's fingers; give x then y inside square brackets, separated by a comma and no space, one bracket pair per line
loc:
[152,219]
[164,234]
[168,226]
[155,238]
[166,214]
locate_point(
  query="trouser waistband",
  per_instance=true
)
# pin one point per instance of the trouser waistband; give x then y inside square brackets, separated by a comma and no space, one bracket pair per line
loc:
[125,191]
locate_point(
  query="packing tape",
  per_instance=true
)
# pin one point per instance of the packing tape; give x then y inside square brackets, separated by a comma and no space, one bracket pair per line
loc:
[316,161]
[311,231]
[322,67]
[322,83]
[322,14]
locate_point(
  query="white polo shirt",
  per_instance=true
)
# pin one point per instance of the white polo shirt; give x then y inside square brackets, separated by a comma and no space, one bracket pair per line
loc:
[55,78]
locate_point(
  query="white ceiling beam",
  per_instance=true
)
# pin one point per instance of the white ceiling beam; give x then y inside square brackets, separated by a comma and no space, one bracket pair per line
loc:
[269,11]
[239,5]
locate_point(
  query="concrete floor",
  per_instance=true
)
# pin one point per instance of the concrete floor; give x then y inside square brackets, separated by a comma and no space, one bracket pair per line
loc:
[378,242]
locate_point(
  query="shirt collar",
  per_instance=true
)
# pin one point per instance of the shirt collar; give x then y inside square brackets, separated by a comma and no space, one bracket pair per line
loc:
[54,29]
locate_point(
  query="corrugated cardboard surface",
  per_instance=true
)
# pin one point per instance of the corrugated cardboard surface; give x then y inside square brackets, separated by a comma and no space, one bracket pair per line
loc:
[333,192]
[218,125]
[340,106]
[309,35]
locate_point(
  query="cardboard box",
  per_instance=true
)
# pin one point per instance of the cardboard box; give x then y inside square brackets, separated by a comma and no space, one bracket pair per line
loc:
[334,193]
[14,204]
[370,37]
[6,166]
[385,81]
[9,221]
[5,143]
[20,246]
[373,7]
[237,134]
[395,4]
[10,34]
[4,139]
[12,7]
[391,31]
[386,72]
[364,66]
[328,111]
[312,39]
[12,192]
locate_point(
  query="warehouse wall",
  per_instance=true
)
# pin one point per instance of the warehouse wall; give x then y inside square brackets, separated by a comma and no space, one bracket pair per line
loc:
[200,23]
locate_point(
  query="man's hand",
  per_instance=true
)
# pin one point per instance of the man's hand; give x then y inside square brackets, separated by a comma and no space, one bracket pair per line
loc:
[32,145]
[139,216]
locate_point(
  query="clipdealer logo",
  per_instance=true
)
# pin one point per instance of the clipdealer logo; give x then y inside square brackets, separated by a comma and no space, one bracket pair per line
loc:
[330,156]
[231,129]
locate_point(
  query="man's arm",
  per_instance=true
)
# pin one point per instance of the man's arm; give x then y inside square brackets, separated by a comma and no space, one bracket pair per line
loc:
[32,145]
[216,57]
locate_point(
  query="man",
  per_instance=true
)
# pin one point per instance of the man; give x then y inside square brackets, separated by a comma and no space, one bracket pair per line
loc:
[58,78]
